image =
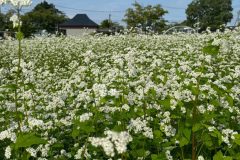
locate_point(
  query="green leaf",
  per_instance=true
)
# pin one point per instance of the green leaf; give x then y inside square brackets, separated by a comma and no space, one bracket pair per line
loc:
[218,156]
[207,140]
[157,134]
[57,145]
[166,103]
[140,153]
[19,36]
[183,141]
[158,157]
[195,90]
[154,157]
[187,133]
[211,49]
[197,127]
[230,100]
[237,139]
[75,132]
[10,86]
[27,140]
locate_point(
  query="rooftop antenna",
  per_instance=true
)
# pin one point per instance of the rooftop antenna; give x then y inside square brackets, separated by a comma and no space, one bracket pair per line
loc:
[238,19]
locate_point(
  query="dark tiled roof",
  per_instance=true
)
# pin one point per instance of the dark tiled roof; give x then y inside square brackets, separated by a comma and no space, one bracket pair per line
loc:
[80,20]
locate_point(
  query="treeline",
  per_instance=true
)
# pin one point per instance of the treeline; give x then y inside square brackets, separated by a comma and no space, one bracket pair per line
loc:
[201,14]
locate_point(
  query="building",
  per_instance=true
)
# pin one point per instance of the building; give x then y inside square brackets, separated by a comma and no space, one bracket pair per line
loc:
[79,25]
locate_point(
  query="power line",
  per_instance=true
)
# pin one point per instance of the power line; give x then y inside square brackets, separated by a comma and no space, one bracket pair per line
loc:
[85,10]
[169,7]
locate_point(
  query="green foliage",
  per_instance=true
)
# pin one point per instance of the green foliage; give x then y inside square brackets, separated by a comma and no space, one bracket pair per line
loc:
[5,22]
[169,99]
[143,17]
[106,24]
[27,140]
[44,16]
[209,13]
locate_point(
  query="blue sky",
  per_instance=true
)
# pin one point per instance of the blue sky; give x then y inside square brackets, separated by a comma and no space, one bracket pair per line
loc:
[99,10]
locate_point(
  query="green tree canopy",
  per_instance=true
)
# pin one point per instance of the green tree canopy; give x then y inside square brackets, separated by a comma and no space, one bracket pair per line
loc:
[2,22]
[5,23]
[106,24]
[209,13]
[43,17]
[149,16]
[110,24]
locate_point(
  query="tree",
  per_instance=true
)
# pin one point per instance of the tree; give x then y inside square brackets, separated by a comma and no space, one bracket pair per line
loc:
[106,24]
[43,17]
[209,13]
[2,22]
[149,16]
[110,24]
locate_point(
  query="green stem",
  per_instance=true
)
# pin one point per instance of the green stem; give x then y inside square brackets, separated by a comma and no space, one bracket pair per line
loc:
[18,74]
[194,145]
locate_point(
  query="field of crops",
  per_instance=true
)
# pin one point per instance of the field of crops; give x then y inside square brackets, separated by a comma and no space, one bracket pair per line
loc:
[121,97]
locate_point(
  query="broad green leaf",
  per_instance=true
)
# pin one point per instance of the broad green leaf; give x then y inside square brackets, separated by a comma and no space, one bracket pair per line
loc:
[237,139]
[27,140]
[197,127]
[211,49]
[230,100]
[10,86]
[218,156]
[207,140]
[157,134]
[183,141]
[165,103]
[19,36]
[187,133]
[75,132]
[158,157]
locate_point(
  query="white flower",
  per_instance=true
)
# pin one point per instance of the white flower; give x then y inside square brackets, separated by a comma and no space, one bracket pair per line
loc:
[105,143]
[168,155]
[211,128]
[126,107]
[80,153]
[16,21]
[200,158]
[8,152]
[86,116]
[119,140]
[32,152]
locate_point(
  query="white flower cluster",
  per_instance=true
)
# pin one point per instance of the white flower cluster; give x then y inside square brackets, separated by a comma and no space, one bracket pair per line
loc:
[114,140]
[32,152]
[8,152]
[200,158]
[168,155]
[139,125]
[33,122]
[83,151]
[227,135]
[86,116]
[166,126]
[7,134]
[100,90]
[16,21]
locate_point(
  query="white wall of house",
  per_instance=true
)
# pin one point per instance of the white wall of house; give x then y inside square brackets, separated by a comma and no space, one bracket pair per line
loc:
[79,32]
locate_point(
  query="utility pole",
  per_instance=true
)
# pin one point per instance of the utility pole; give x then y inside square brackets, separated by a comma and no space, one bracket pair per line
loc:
[109,20]
[238,19]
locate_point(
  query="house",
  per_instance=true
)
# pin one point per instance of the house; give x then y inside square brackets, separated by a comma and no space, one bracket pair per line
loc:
[79,25]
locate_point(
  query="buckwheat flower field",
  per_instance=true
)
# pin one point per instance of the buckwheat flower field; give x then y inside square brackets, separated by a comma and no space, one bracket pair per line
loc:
[121,97]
